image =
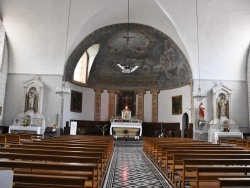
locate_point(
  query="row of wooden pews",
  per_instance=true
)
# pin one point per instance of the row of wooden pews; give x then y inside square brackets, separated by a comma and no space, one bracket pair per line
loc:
[66,161]
[7,139]
[197,164]
[244,143]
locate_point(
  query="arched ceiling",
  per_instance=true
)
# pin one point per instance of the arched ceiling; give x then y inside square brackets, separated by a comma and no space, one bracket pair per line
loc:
[161,64]
[36,31]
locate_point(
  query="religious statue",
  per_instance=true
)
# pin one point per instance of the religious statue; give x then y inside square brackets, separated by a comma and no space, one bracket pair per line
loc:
[31,99]
[201,111]
[223,107]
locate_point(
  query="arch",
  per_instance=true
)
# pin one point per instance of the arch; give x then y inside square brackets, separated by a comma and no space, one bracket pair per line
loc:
[174,69]
[185,124]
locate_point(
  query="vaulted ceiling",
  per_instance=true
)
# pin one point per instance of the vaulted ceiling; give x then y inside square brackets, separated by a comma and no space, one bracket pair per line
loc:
[164,34]
[161,63]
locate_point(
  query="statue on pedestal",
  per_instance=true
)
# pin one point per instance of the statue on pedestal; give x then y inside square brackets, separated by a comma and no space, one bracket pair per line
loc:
[31,102]
[223,107]
[201,111]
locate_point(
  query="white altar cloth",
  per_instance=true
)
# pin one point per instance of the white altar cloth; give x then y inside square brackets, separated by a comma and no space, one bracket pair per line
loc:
[14,128]
[218,135]
[126,125]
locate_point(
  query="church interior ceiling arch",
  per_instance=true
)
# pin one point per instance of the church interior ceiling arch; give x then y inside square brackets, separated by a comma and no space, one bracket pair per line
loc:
[157,61]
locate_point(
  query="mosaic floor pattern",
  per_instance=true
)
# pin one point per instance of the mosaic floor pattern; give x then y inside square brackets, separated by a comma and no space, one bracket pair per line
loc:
[131,168]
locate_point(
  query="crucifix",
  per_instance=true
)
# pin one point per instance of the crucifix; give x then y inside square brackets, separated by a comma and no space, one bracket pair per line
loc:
[126,98]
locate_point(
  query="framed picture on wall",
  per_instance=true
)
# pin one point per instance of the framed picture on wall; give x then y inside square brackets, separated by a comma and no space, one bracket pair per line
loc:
[177,105]
[76,101]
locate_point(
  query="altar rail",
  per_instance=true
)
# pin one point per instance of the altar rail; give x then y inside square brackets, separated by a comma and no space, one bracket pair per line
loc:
[149,129]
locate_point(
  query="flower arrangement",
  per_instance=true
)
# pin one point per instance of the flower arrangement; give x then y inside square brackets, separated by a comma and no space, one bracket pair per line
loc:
[26,122]
[226,129]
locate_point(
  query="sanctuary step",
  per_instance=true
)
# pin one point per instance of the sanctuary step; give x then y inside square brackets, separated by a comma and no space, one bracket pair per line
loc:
[129,143]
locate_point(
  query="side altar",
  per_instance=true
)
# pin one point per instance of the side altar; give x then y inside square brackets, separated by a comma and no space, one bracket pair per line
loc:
[126,126]
[222,124]
[30,120]
[35,124]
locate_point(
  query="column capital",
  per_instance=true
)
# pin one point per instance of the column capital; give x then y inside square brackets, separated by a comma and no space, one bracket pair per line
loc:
[111,91]
[140,92]
[191,83]
[154,91]
[98,89]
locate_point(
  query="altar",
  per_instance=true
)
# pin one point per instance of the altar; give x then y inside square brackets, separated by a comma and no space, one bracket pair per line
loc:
[218,135]
[30,120]
[28,129]
[222,124]
[126,125]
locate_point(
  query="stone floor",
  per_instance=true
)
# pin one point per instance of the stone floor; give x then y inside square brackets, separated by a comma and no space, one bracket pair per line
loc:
[130,167]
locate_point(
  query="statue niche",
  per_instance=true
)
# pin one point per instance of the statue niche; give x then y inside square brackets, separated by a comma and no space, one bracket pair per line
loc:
[222,107]
[31,100]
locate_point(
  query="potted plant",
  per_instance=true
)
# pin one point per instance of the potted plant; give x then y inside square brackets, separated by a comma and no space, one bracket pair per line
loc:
[102,128]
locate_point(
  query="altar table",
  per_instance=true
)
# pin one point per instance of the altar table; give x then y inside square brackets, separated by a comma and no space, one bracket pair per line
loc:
[218,135]
[126,125]
[28,129]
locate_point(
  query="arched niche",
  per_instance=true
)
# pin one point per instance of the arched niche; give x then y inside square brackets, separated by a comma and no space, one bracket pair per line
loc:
[221,93]
[33,95]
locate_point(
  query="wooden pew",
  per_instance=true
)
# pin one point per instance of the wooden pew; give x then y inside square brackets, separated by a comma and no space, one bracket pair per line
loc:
[57,168]
[165,159]
[190,165]
[3,141]
[65,148]
[208,176]
[7,139]
[70,146]
[169,154]
[56,158]
[34,180]
[233,182]
[178,161]
[161,156]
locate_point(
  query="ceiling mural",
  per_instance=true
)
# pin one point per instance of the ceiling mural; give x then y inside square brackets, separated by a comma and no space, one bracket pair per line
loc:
[134,57]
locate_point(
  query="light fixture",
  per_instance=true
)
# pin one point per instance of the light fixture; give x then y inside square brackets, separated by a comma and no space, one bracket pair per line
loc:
[62,90]
[130,44]
[126,68]
[198,96]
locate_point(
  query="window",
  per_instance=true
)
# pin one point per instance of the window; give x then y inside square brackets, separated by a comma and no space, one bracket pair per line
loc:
[85,63]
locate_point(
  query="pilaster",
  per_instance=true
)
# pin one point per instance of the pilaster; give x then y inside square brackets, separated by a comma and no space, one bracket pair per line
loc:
[112,93]
[154,93]
[140,110]
[98,96]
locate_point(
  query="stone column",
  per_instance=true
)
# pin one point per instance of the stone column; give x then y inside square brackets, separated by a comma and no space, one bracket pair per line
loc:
[154,93]
[111,103]
[140,110]
[98,96]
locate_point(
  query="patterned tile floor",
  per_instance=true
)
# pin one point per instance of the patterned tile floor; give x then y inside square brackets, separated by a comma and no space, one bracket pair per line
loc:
[131,168]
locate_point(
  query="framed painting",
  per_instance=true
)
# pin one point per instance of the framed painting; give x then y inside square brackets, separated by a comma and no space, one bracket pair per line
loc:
[76,101]
[177,105]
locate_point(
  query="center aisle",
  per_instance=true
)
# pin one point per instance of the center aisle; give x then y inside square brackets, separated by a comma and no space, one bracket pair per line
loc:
[131,168]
